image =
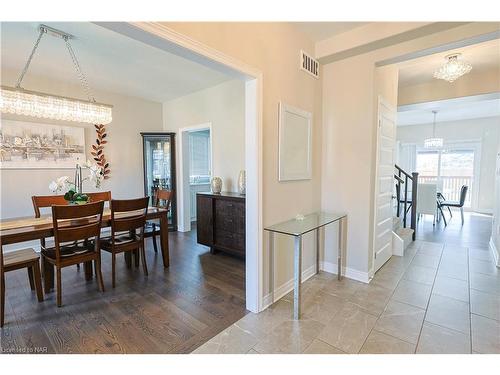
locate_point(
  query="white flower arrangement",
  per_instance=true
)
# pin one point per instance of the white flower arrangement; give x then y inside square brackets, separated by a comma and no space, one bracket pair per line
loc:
[73,189]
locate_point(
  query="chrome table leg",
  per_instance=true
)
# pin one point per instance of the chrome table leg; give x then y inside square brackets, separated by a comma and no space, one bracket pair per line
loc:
[297,277]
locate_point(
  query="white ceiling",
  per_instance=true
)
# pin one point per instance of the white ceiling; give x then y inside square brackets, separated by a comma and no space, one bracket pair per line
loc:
[323,30]
[464,108]
[111,61]
[482,56]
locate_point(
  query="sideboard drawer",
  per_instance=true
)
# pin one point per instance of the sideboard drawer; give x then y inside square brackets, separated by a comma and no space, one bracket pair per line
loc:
[221,222]
[230,241]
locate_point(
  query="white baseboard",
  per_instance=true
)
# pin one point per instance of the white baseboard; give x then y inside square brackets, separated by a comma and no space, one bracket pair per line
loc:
[495,252]
[329,267]
[285,288]
[346,271]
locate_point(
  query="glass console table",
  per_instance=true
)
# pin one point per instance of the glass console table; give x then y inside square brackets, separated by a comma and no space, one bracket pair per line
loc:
[297,228]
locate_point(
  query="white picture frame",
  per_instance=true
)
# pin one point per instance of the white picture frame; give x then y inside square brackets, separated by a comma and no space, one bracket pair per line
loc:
[295,144]
[32,145]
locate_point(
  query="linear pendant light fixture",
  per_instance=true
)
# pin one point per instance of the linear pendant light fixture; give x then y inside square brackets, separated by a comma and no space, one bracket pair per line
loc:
[433,142]
[19,101]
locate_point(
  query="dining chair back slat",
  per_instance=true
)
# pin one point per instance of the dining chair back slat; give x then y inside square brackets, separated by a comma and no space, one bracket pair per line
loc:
[77,232]
[99,196]
[78,222]
[46,201]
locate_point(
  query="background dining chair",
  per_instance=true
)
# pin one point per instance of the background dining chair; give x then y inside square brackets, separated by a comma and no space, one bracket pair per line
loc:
[14,260]
[161,199]
[459,204]
[99,196]
[127,217]
[427,195]
[74,225]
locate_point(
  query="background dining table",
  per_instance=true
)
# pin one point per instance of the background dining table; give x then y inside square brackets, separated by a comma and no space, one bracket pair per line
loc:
[29,228]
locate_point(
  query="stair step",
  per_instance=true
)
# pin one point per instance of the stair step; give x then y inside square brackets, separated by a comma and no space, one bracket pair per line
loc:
[401,239]
[404,232]
[396,223]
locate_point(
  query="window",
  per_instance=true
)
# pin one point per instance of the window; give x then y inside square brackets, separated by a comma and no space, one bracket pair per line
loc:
[199,157]
[450,169]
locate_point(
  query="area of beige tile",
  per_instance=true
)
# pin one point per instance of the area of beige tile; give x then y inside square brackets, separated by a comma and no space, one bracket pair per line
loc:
[448,312]
[380,343]
[485,304]
[457,255]
[388,277]
[321,347]
[435,339]
[340,317]
[342,288]
[453,288]
[412,293]
[485,283]
[419,274]
[401,320]
[485,335]
[321,307]
[260,325]
[371,298]
[454,270]
[424,260]
[232,340]
[348,329]
[430,248]
[480,254]
[290,337]
[483,266]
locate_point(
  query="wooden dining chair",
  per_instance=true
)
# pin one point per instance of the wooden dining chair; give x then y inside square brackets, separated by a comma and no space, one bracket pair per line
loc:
[74,225]
[15,260]
[99,196]
[162,199]
[128,217]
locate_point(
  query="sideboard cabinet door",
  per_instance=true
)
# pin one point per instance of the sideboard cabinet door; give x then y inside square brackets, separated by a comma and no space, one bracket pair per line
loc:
[204,225]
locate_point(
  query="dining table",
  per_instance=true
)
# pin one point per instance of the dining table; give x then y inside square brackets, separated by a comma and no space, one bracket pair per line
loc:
[29,228]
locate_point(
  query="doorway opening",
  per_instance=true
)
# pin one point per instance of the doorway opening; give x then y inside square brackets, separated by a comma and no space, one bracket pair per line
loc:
[453,155]
[195,172]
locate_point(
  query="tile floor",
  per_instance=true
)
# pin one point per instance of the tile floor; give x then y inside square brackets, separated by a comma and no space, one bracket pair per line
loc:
[438,298]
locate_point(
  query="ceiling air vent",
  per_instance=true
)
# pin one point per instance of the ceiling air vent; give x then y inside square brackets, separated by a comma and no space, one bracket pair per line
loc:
[309,64]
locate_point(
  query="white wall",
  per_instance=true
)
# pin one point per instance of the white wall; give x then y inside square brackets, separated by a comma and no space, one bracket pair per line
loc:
[495,230]
[274,49]
[349,113]
[224,107]
[484,130]
[124,149]
[474,83]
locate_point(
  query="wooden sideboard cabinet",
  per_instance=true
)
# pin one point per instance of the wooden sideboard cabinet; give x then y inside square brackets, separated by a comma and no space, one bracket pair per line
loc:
[221,222]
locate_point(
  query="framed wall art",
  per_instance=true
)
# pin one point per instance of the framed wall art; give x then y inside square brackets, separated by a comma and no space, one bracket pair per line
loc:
[295,143]
[30,145]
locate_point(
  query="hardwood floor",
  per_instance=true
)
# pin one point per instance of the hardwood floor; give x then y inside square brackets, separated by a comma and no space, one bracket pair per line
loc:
[173,310]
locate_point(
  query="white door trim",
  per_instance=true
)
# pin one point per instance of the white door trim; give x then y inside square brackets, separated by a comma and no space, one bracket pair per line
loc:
[380,103]
[149,32]
[183,201]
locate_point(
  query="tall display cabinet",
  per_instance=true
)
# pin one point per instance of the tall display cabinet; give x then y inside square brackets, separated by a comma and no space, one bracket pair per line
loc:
[159,168]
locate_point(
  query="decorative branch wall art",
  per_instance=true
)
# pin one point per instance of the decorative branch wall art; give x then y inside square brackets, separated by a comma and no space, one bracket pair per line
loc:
[98,150]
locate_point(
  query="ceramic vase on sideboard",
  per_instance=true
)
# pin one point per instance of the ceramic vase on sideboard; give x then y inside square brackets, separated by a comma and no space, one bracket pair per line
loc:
[242,182]
[216,185]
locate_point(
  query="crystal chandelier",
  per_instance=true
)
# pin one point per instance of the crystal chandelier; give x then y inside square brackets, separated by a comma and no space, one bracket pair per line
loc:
[433,142]
[19,101]
[453,68]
